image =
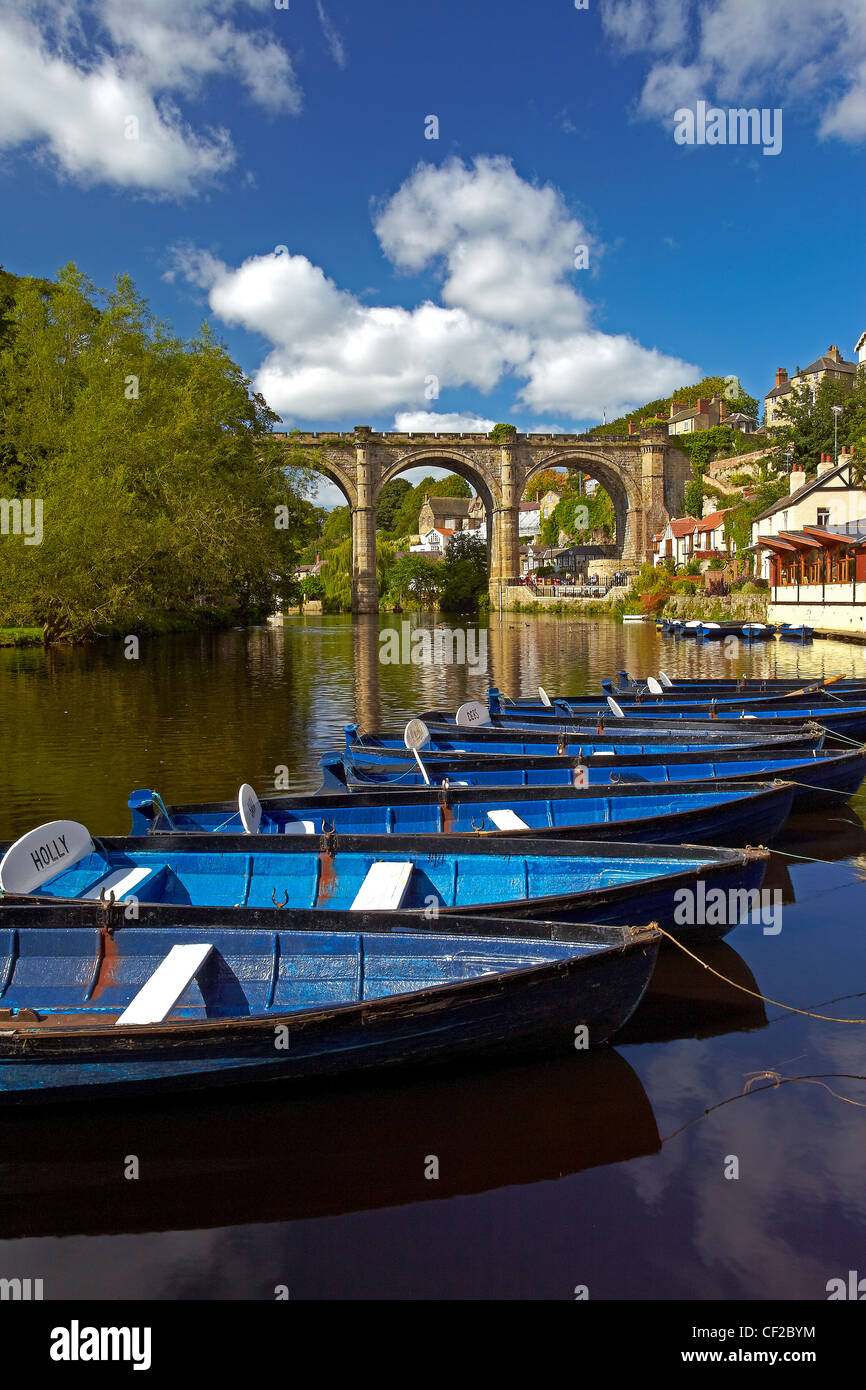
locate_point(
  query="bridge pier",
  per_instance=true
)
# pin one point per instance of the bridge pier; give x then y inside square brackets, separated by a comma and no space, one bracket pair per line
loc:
[365,581]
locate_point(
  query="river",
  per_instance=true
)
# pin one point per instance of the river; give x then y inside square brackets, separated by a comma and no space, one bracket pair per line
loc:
[668,1166]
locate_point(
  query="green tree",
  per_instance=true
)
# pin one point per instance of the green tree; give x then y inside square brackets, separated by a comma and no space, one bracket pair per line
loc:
[416,577]
[337,526]
[694,498]
[805,430]
[163,488]
[464,574]
[388,505]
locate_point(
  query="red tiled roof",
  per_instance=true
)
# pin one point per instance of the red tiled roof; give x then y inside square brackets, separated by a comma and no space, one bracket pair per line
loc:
[683,526]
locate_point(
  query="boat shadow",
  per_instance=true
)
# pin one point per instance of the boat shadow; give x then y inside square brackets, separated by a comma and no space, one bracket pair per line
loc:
[347,1147]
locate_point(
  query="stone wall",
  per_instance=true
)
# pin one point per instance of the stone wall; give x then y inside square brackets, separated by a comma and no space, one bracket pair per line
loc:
[747,608]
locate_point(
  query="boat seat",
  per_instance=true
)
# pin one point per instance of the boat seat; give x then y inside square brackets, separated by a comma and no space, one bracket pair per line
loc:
[121,882]
[507,820]
[159,994]
[384,887]
[300,827]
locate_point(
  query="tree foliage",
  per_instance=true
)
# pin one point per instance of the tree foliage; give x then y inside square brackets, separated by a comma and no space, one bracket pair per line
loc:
[405,521]
[464,574]
[163,489]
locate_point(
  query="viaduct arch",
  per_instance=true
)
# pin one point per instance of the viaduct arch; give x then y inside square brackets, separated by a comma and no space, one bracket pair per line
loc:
[644,476]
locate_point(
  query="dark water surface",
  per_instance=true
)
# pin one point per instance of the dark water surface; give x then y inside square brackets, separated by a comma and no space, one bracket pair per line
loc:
[606,1170]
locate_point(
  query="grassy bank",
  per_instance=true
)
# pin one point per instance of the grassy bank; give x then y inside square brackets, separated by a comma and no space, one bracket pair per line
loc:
[20,636]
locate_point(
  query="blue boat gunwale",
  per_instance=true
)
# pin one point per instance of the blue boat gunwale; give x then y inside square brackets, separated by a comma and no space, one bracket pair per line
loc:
[740,793]
[568,957]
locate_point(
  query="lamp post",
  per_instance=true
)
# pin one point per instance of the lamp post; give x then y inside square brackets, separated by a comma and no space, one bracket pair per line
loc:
[837,411]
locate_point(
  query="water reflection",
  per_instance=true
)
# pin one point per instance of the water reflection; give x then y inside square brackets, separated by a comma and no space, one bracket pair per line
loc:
[340,1149]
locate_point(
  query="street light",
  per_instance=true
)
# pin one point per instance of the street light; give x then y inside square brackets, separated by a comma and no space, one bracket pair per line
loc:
[837,411]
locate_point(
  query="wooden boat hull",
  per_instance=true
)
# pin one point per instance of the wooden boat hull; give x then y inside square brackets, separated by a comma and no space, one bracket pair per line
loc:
[566,881]
[695,813]
[546,732]
[822,778]
[348,1002]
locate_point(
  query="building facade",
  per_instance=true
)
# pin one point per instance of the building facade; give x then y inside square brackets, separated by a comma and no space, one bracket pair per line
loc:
[832,365]
[812,549]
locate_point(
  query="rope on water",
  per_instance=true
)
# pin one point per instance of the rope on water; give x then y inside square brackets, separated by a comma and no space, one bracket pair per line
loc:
[834,734]
[810,786]
[777,1004]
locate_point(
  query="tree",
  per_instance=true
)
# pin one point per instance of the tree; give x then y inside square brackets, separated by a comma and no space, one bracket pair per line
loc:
[806,428]
[337,526]
[418,577]
[464,574]
[694,498]
[388,505]
[162,486]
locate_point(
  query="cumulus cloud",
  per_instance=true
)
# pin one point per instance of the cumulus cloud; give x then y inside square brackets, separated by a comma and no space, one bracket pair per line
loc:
[738,52]
[108,108]
[455,422]
[504,250]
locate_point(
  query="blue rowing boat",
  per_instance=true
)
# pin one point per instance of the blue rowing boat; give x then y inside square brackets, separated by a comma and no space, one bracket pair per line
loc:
[708,688]
[822,778]
[721,813]
[849,720]
[569,881]
[515,740]
[88,1012]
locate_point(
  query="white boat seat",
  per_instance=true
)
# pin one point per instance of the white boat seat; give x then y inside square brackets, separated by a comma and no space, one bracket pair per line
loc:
[300,827]
[384,887]
[159,994]
[507,820]
[120,882]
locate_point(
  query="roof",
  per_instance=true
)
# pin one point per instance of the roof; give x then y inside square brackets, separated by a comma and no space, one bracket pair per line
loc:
[714,519]
[813,484]
[828,364]
[684,415]
[449,506]
[781,390]
[683,525]
[861,342]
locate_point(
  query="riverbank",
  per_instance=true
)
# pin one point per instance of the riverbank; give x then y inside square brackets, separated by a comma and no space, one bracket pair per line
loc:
[21,637]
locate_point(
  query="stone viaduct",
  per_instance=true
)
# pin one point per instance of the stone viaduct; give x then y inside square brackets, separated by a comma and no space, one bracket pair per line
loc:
[642,474]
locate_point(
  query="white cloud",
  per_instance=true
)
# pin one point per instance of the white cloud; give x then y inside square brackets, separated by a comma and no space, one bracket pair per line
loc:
[739,52]
[71,99]
[505,250]
[332,38]
[418,421]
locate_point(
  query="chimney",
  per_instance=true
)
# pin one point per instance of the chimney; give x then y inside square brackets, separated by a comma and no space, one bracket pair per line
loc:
[703,406]
[798,479]
[834,354]
[781,376]
[631,428]
[826,464]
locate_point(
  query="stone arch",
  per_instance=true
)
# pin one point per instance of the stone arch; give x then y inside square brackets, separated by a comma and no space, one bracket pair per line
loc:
[340,479]
[455,462]
[619,483]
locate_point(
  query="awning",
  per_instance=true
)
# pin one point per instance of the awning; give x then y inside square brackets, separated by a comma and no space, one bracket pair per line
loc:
[833,537]
[773,543]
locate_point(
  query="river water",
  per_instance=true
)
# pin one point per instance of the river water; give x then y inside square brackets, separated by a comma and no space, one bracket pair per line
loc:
[670,1165]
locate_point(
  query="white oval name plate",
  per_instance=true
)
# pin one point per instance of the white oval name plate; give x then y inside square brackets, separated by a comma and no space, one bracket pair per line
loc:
[416,734]
[250,809]
[472,715]
[43,853]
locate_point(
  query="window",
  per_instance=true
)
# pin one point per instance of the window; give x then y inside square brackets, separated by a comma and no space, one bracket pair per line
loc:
[823,516]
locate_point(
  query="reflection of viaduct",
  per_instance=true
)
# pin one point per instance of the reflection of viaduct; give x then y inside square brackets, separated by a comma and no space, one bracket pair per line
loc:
[643,476]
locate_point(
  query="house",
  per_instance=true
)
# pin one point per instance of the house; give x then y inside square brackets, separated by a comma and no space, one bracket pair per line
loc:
[689,538]
[860,349]
[704,415]
[832,365]
[454,513]
[433,542]
[529,522]
[812,549]
[676,541]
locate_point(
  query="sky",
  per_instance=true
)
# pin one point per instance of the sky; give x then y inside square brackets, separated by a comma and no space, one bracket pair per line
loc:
[441,215]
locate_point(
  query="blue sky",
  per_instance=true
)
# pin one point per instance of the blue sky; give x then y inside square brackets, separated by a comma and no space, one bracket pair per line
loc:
[423,278]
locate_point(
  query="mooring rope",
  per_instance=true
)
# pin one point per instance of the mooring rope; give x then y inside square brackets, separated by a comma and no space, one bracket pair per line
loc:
[777,1004]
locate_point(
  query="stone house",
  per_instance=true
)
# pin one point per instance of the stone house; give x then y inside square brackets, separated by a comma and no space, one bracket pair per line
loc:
[832,365]
[454,513]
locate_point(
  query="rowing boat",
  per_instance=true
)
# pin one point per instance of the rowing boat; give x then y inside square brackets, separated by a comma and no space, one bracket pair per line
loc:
[722,813]
[822,778]
[569,881]
[90,1011]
